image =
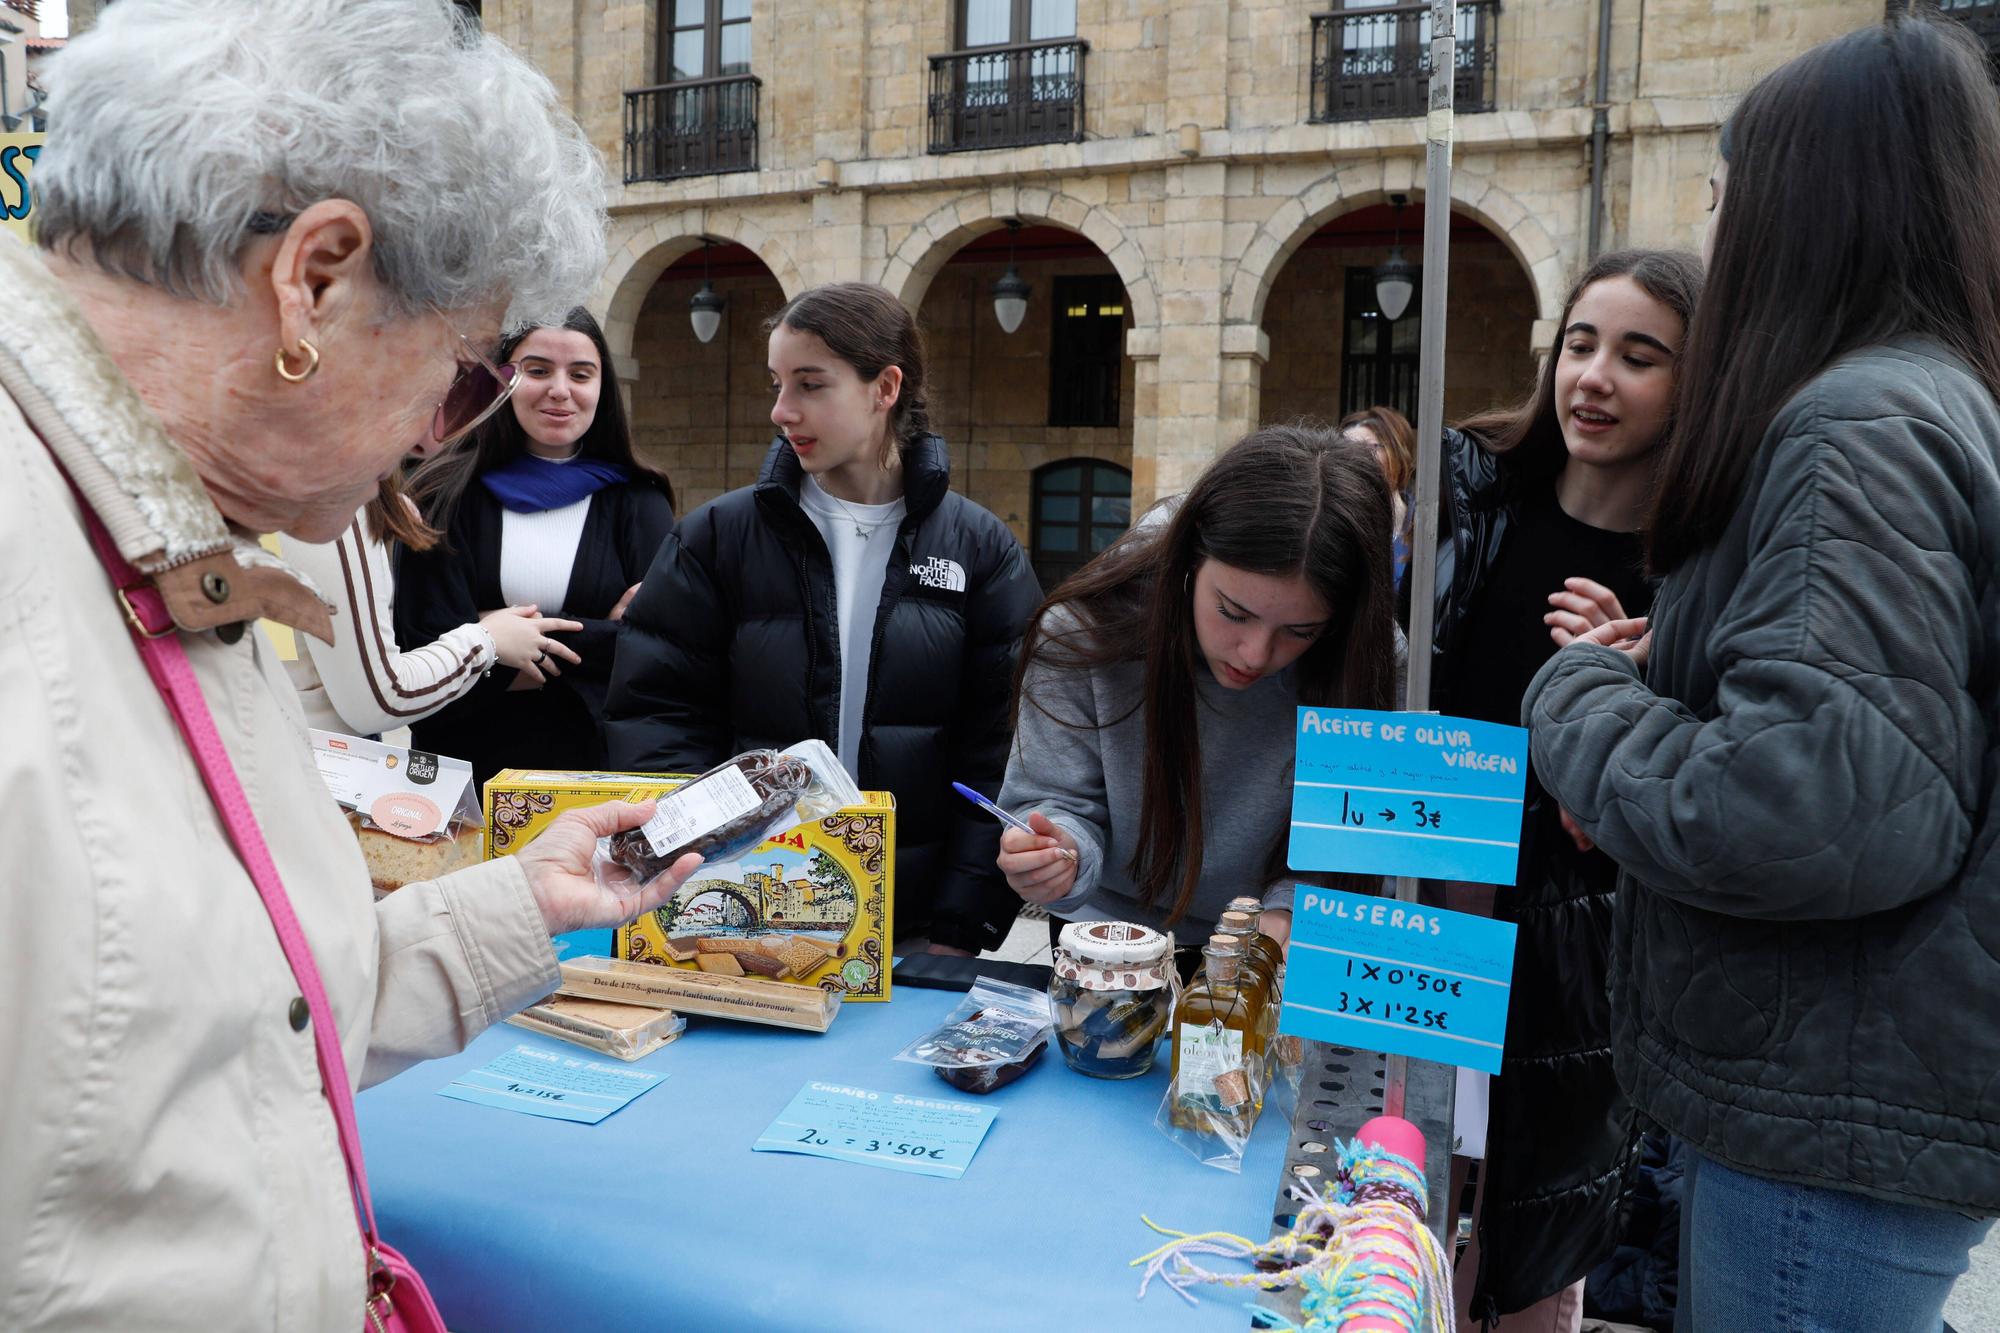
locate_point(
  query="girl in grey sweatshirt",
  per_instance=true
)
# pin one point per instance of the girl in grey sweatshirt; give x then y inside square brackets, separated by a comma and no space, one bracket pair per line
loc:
[1158,689]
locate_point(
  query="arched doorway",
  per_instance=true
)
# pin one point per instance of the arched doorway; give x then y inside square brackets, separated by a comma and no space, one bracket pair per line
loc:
[1060,387]
[1333,351]
[702,411]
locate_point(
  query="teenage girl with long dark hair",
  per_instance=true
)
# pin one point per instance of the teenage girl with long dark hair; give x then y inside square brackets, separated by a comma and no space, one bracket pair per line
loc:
[1159,685]
[1795,770]
[1539,540]
[547,507]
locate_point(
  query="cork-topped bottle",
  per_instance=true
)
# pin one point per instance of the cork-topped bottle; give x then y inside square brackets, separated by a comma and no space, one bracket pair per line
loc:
[1240,918]
[1261,952]
[1219,1044]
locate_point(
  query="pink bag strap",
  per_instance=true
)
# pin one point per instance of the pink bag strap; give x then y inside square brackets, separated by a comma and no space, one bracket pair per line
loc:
[166,661]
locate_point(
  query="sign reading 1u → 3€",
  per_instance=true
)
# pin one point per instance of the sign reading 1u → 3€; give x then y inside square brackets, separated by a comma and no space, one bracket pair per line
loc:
[1407,794]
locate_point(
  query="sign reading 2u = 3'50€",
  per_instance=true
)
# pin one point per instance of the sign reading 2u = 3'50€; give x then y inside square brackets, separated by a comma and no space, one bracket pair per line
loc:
[1380,975]
[1407,794]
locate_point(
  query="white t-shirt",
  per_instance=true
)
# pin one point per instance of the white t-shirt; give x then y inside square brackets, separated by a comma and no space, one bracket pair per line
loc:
[859,538]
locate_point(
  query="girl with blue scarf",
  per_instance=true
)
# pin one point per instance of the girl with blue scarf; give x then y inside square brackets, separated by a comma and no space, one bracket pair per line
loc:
[546,507]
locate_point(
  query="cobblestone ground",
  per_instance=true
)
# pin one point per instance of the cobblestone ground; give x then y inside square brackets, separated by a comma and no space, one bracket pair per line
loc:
[1974,1306]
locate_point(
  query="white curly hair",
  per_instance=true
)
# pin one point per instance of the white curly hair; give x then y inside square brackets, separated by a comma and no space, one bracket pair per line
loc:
[178,127]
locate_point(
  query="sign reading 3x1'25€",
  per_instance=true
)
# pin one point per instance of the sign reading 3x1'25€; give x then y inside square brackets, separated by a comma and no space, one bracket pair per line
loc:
[1379,975]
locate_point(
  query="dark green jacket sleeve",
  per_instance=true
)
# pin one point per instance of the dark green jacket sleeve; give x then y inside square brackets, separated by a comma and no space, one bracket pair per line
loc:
[1834,769]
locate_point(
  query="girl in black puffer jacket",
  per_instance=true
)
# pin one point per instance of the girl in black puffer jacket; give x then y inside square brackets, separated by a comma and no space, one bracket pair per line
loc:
[848,595]
[1539,542]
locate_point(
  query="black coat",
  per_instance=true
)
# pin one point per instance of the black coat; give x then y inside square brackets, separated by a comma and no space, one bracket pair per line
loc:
[1560,1133]
[559,725]
[1640,1282]
[733,644]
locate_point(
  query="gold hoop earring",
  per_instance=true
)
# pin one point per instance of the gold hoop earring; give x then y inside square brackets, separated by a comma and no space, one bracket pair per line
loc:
[297,377]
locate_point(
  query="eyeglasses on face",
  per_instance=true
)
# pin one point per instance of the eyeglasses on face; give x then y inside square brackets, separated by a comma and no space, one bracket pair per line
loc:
[478,391]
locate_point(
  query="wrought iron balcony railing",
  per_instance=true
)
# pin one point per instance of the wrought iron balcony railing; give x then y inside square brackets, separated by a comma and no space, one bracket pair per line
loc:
[695,128]
[1372,64]
[1007,96]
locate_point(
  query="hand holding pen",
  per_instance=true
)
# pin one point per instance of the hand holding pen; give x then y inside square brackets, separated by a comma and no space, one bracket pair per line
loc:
[1038,858]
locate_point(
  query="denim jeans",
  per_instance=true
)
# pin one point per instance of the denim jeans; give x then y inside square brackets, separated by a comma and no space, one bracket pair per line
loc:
[1780,1258]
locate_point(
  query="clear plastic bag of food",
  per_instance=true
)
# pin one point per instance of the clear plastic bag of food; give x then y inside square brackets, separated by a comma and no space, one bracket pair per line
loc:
[729,810]
[992,1037]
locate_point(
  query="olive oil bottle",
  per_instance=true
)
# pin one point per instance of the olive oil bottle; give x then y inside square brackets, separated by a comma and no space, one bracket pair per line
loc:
[1219,1045]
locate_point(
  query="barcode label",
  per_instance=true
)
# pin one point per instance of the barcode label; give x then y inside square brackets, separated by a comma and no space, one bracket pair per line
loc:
[700,808]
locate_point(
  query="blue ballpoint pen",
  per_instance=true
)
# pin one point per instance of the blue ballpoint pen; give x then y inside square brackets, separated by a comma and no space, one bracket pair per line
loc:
[1001,815]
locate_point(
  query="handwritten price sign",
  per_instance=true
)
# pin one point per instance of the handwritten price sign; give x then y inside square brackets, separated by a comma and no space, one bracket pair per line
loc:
[917,1151]
[1380,975]
[927,1135]
[1407,794]
[539,1081]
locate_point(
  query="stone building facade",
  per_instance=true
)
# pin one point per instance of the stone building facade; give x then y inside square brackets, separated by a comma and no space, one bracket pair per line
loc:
[1229,163]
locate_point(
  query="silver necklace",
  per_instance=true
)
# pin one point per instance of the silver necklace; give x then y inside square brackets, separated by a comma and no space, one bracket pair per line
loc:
[862,527]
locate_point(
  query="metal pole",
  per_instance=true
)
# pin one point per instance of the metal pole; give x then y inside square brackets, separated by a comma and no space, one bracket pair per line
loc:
[1600,126]
[1430,419]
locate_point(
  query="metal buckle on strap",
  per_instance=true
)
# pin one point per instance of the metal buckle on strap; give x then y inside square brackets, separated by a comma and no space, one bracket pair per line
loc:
[138,624]
[380,1282]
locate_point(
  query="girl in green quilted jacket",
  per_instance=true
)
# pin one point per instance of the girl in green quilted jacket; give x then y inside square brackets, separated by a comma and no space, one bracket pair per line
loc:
[1794,761]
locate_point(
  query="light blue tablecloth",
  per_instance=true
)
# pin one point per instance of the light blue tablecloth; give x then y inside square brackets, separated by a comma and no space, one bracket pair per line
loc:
[661,1217]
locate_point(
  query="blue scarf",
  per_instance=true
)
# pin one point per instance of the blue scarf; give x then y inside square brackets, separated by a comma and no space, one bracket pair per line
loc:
[531,485]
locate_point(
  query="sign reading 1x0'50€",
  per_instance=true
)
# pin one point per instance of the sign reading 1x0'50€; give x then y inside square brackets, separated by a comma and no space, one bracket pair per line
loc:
[1407,794]
[1380,975]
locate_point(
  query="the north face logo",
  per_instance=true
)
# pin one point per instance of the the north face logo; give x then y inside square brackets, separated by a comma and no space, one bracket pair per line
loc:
[938,572]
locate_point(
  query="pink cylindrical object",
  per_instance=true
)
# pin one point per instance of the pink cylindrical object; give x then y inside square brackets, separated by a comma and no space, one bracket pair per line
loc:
[1398,1136]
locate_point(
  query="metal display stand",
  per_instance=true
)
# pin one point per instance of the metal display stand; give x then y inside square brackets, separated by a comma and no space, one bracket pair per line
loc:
[1342,1089]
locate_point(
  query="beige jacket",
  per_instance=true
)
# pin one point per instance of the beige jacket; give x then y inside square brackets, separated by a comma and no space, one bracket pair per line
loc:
[167,1158]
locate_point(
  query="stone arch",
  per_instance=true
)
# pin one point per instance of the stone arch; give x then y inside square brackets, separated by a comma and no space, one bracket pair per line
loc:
[1362,183]
[933,241]
[652,246]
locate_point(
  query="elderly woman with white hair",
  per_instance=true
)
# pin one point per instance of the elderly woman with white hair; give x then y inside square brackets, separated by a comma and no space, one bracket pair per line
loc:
[277,237]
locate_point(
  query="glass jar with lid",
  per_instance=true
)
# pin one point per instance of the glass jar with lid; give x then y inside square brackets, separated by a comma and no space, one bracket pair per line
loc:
[1113,987]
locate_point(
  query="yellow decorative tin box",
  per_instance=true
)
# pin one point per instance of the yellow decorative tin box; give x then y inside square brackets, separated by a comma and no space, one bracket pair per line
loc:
[812,906]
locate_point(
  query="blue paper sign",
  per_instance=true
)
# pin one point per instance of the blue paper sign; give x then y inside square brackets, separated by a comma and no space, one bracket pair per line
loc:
[1407,794]
[1380,975]
[926,1135]
[546,1083]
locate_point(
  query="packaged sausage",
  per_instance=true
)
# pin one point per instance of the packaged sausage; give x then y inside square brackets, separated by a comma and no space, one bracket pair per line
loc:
[994,1035]
[731,808]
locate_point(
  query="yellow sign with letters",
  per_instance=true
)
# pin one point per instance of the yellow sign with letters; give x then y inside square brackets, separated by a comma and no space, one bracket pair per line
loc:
[17,198]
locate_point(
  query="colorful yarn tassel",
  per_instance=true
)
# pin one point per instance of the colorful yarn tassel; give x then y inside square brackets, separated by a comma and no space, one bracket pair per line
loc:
[1362,1257]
